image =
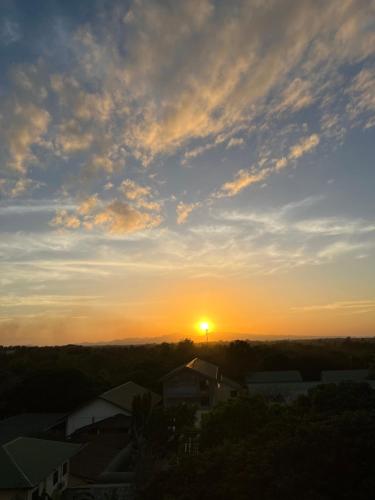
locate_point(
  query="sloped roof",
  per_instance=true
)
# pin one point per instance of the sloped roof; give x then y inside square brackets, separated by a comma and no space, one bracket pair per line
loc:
[123,395]
[27,424]
[24,462]
[231,383]
[274,377]
[335,376]
[204,368]
[11,476]
[93,458]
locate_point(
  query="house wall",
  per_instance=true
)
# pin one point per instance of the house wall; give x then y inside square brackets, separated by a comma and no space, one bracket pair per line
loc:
[188,387]
[96,410]
[224,392]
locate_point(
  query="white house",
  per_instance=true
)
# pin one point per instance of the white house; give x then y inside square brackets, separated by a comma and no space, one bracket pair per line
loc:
[118,400]
[31,467]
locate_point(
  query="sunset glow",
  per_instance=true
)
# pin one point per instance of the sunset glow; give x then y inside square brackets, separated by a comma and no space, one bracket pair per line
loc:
[164,163]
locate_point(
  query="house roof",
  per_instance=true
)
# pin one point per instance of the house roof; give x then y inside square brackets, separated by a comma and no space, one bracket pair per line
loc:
[123,395]
[231,383]
[274,377]
[93,458]
[25,462]
[204,368]
[335,376]
[116,423]
[27,424]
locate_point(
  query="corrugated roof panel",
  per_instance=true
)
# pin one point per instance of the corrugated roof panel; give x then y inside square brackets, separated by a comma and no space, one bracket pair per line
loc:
[334,376]
[271,377]
[37,458]
[123,395]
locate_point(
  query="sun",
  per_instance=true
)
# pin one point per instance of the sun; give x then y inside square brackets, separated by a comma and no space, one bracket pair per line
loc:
[204,326]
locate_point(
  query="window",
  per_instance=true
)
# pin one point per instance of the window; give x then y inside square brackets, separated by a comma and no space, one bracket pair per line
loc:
[55,477]
[65,468]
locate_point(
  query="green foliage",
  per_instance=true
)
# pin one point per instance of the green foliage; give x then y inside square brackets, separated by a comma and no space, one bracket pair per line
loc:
[322,449]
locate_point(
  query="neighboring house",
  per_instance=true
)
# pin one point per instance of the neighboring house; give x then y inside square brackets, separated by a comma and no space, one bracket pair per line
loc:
[337,376]
[278,384]
[288,385]
[31,467]
[47,425]
[118,400]
[197,382]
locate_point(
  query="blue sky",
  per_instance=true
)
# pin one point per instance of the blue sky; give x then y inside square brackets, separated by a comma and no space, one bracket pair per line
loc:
[163,161]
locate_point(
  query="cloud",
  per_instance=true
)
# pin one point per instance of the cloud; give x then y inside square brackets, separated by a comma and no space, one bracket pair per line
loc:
[66,220]
[88,205]
[362,105]
[304,146]
[184,210]
[234,142]
[121,217]
[296,96]
[134,191]
[343,306]
[21,126]
[9,32]
[245,178]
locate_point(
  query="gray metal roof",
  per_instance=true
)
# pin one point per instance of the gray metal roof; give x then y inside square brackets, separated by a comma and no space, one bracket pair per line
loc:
[335,376]
[272,377]
[27,424]
[123,395]
[204,368]
[25,462]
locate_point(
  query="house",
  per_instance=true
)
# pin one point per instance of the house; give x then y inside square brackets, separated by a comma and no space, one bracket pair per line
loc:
[286,385]
[30,467]
[337,376]
[116,401]
[197,382]
[47,425]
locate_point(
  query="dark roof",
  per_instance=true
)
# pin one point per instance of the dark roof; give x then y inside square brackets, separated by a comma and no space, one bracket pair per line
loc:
[123,395]
[335,376]
[274,377]
[28,424]
[204,368]
[93,459]
[25,462]
[118,422]
[231,383]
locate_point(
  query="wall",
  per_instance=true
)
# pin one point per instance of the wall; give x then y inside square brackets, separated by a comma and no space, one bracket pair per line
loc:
[96,410]
[188,387]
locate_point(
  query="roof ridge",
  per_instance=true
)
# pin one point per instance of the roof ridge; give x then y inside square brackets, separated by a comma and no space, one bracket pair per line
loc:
[11,458]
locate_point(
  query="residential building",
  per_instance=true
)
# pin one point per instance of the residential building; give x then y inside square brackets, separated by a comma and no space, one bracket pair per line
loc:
[197,382]
[46,425]
[286,385]
[116,401]
[31,467]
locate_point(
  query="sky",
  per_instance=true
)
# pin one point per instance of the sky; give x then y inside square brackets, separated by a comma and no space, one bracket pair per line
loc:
[164,162]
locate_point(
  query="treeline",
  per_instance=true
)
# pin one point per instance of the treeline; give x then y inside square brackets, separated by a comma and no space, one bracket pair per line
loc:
[320,447]
[56,379]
